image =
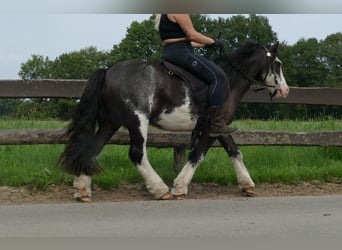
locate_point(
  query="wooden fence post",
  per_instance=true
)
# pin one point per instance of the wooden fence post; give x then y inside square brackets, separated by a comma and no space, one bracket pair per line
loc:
[179,158]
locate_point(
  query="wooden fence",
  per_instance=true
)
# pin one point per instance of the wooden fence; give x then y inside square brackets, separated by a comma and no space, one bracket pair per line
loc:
[74,88]
[164,139]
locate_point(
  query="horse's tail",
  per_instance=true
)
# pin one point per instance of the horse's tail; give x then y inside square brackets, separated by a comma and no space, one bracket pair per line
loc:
[77,157]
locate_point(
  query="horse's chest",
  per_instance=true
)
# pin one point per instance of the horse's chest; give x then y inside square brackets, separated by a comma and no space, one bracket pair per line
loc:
[179,118]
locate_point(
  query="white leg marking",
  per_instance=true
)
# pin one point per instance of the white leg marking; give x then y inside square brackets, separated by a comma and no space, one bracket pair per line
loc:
[153,182]
[243,177]
[82,185]
[181,183]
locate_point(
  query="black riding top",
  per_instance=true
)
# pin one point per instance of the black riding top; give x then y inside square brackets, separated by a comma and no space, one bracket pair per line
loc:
[169,29]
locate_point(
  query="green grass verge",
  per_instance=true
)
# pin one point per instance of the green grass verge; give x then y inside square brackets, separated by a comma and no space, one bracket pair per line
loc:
[34,165]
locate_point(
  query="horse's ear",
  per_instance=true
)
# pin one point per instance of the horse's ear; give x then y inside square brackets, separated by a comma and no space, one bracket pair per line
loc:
[274,46]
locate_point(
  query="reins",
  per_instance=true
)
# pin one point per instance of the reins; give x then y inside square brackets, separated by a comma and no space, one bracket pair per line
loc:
[253,81]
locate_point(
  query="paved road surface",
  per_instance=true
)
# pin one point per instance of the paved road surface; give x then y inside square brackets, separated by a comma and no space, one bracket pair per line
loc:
[256,218]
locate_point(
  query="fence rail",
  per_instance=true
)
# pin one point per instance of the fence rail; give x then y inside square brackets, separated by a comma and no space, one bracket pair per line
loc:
[74,88]
[167,139]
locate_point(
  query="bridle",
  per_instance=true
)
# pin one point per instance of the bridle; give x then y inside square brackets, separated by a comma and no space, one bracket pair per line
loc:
[261,84]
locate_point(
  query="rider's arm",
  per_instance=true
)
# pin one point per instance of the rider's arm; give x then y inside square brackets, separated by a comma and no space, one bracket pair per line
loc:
[192,35]
[197,45]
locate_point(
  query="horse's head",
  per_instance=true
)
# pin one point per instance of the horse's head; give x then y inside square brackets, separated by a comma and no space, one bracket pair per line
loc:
[272,73]
[259,65]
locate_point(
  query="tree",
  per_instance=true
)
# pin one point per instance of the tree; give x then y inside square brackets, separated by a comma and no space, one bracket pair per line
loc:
[141,42]
[78,64]
[310,71]
[240,29]
[313,63]
[73,65]
[331,50]
[37,67]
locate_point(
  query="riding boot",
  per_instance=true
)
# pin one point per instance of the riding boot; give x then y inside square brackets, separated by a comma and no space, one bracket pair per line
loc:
[217,125]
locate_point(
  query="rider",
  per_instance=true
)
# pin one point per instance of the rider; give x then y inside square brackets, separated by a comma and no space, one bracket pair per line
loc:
[179,37]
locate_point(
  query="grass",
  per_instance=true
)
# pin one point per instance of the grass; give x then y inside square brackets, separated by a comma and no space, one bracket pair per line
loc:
[34,165]
[17,124]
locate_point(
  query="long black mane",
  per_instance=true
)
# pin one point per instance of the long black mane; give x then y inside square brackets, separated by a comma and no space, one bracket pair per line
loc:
[238,55]
[241,58]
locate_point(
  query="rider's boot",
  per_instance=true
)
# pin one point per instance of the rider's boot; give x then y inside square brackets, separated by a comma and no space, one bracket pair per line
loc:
[217,125]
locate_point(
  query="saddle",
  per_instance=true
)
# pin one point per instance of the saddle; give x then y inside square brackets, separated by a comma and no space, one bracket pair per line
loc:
[199,89]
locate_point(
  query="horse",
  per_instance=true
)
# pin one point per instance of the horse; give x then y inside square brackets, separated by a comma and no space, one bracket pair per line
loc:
[135,94]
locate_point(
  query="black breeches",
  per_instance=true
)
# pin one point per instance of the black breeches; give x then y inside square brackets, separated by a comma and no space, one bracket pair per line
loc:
[182,54]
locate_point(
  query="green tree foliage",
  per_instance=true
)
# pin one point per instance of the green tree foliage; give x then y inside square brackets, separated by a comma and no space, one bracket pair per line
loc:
[38,67]
[73,65]
[78,64]
[307,68]
[312,63]
[331,57]
[141,42]
[42,108]
[239,29]
[8,107]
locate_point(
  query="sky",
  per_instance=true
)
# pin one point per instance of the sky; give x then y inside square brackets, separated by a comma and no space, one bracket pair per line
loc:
[51,34]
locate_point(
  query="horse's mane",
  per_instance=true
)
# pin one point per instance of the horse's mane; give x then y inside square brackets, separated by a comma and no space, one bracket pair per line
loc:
[239,55]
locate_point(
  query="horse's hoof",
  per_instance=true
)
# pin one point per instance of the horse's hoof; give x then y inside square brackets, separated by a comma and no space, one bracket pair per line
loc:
[167,196]
[180,197]
[84,199]
[250,191]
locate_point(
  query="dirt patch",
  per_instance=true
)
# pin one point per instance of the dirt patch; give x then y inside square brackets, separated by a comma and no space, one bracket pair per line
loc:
[129,192]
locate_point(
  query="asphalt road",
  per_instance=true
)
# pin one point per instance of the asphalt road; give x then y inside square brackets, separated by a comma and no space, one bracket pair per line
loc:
[256,218]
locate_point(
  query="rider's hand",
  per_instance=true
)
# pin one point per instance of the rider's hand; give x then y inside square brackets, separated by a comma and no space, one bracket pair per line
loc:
[217,44]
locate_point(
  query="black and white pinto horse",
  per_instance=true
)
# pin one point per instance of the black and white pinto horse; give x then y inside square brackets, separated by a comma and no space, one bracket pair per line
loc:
[135,94]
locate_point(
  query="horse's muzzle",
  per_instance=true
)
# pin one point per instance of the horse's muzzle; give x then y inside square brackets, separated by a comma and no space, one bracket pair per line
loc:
[282,91]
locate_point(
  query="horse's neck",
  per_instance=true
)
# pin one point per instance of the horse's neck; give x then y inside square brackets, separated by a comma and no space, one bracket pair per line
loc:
[236,94]
[237,90]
